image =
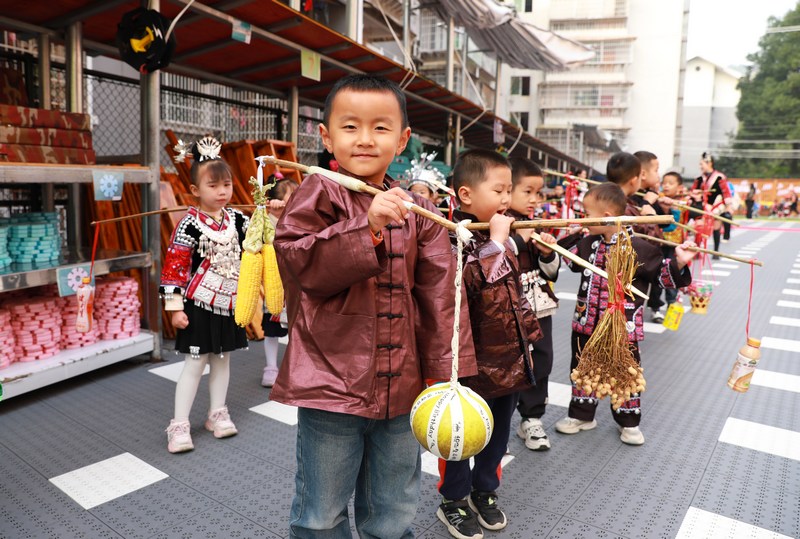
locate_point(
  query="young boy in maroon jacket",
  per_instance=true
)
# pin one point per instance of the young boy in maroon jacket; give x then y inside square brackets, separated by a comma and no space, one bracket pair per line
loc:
[503,329]
[370,301]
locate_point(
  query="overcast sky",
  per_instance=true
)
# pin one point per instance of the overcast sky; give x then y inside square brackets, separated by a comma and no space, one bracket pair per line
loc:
[726,31]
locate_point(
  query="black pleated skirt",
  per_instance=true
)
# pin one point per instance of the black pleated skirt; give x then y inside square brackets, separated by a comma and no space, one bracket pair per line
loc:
[272,328]
[209,333]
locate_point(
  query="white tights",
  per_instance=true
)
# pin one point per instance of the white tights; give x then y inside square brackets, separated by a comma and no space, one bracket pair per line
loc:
[191,374]
[271,351]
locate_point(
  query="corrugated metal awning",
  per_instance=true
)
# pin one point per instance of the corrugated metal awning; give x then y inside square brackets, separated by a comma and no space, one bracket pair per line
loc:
[271,62]
[497,29]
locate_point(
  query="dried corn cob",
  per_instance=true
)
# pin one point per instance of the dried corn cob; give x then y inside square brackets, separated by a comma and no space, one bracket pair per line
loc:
[273,287]
[248,290]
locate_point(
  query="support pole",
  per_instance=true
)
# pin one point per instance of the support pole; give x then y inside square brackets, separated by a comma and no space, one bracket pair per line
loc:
[354,13]
[457,140]
[150,88]
[75,210]
[450,72]
[498,72]
[294,116]
[45,99]
[407,33]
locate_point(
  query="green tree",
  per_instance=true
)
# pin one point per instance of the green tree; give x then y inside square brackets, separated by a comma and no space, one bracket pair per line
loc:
[769,108]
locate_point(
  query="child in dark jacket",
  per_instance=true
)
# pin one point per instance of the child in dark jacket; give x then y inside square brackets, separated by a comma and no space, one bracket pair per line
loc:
[607,200]
[503,328]
[538,268]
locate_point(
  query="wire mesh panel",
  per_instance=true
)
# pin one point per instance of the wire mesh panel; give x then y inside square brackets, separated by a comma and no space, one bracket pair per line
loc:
[114,106]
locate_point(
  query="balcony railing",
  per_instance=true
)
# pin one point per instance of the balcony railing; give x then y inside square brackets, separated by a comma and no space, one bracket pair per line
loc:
[588,9]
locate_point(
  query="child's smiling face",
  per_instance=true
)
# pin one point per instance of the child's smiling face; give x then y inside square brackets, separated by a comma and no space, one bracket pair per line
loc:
[365,132]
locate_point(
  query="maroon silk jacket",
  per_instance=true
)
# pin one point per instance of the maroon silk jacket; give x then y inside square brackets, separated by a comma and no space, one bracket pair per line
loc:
[503,323]
[367,324]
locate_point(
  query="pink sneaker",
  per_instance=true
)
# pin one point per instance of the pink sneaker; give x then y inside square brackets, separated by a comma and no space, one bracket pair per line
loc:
[178,438]
[219,422]
[269,377]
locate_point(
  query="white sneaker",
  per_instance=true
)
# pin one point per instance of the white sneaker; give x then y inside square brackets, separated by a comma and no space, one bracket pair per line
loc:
[657,317]
[570,425]
[219,422]
[178,437]
[631,435]
[269,376]
[532,431]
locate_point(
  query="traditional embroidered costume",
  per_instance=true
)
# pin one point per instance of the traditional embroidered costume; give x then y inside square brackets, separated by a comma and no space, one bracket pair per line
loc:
[200,277]
[592,302]
[536,274]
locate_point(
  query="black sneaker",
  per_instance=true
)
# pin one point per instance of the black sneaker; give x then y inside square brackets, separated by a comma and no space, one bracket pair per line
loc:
[459,519]
[489,514]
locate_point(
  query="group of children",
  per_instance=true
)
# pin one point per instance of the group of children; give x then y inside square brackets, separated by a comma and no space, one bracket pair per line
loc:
[370,305]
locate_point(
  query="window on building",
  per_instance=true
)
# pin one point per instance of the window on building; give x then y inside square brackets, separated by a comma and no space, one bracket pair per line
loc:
[520,86]
[585,97]
[521,119]
[525,6]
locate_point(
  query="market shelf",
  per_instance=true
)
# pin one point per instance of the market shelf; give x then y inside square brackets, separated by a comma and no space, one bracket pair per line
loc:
[19,378]
[107,261]
[53,173]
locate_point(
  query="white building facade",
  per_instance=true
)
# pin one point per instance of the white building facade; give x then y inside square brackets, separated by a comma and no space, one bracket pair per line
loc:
[711,95]
[627,97]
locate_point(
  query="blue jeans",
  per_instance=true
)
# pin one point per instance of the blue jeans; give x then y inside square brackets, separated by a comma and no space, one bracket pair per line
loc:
[338,454]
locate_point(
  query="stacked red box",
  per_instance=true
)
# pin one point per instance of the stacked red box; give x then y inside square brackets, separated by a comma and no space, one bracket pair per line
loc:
[7,356]
[29,135]
[36,324]
[116,307]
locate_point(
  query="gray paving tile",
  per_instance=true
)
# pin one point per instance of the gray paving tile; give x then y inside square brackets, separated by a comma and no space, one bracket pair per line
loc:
[51,442]
[152,509]
[32,507]
[215,523]
[268,503]
[621,510]
[749,498]
[773,472]
[572,529]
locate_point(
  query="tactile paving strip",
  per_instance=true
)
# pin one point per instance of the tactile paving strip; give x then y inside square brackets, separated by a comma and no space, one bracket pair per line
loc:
[216,523]
[747,499]
[157,508]
[33,508]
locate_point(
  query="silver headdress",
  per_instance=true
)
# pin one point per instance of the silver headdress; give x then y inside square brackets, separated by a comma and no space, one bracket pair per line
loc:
[424,172]
[202,150]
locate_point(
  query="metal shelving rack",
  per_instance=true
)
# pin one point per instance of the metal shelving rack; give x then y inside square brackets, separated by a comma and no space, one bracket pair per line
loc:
[21,377]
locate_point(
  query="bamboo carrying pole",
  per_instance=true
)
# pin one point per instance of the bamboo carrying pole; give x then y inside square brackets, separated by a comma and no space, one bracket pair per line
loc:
[360,186]
[159,212]
[753,261]
[640,193]
[585,221]
[584,264]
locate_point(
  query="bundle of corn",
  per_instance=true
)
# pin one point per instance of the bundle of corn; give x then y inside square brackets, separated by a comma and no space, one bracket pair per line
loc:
[606,365]
[251,271]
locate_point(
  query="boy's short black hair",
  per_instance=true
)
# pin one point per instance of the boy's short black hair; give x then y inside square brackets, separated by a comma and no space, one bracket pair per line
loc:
[365,83]
[677,176]
[610,195]
[645,157]
[522,167]
[621,167]
[471,167]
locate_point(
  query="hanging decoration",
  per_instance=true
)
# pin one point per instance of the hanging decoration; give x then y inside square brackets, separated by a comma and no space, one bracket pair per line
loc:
[606,365]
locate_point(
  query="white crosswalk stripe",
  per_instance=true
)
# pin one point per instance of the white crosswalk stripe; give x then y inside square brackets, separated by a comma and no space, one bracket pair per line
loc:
[700,524]
[765,438]
[784,321]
